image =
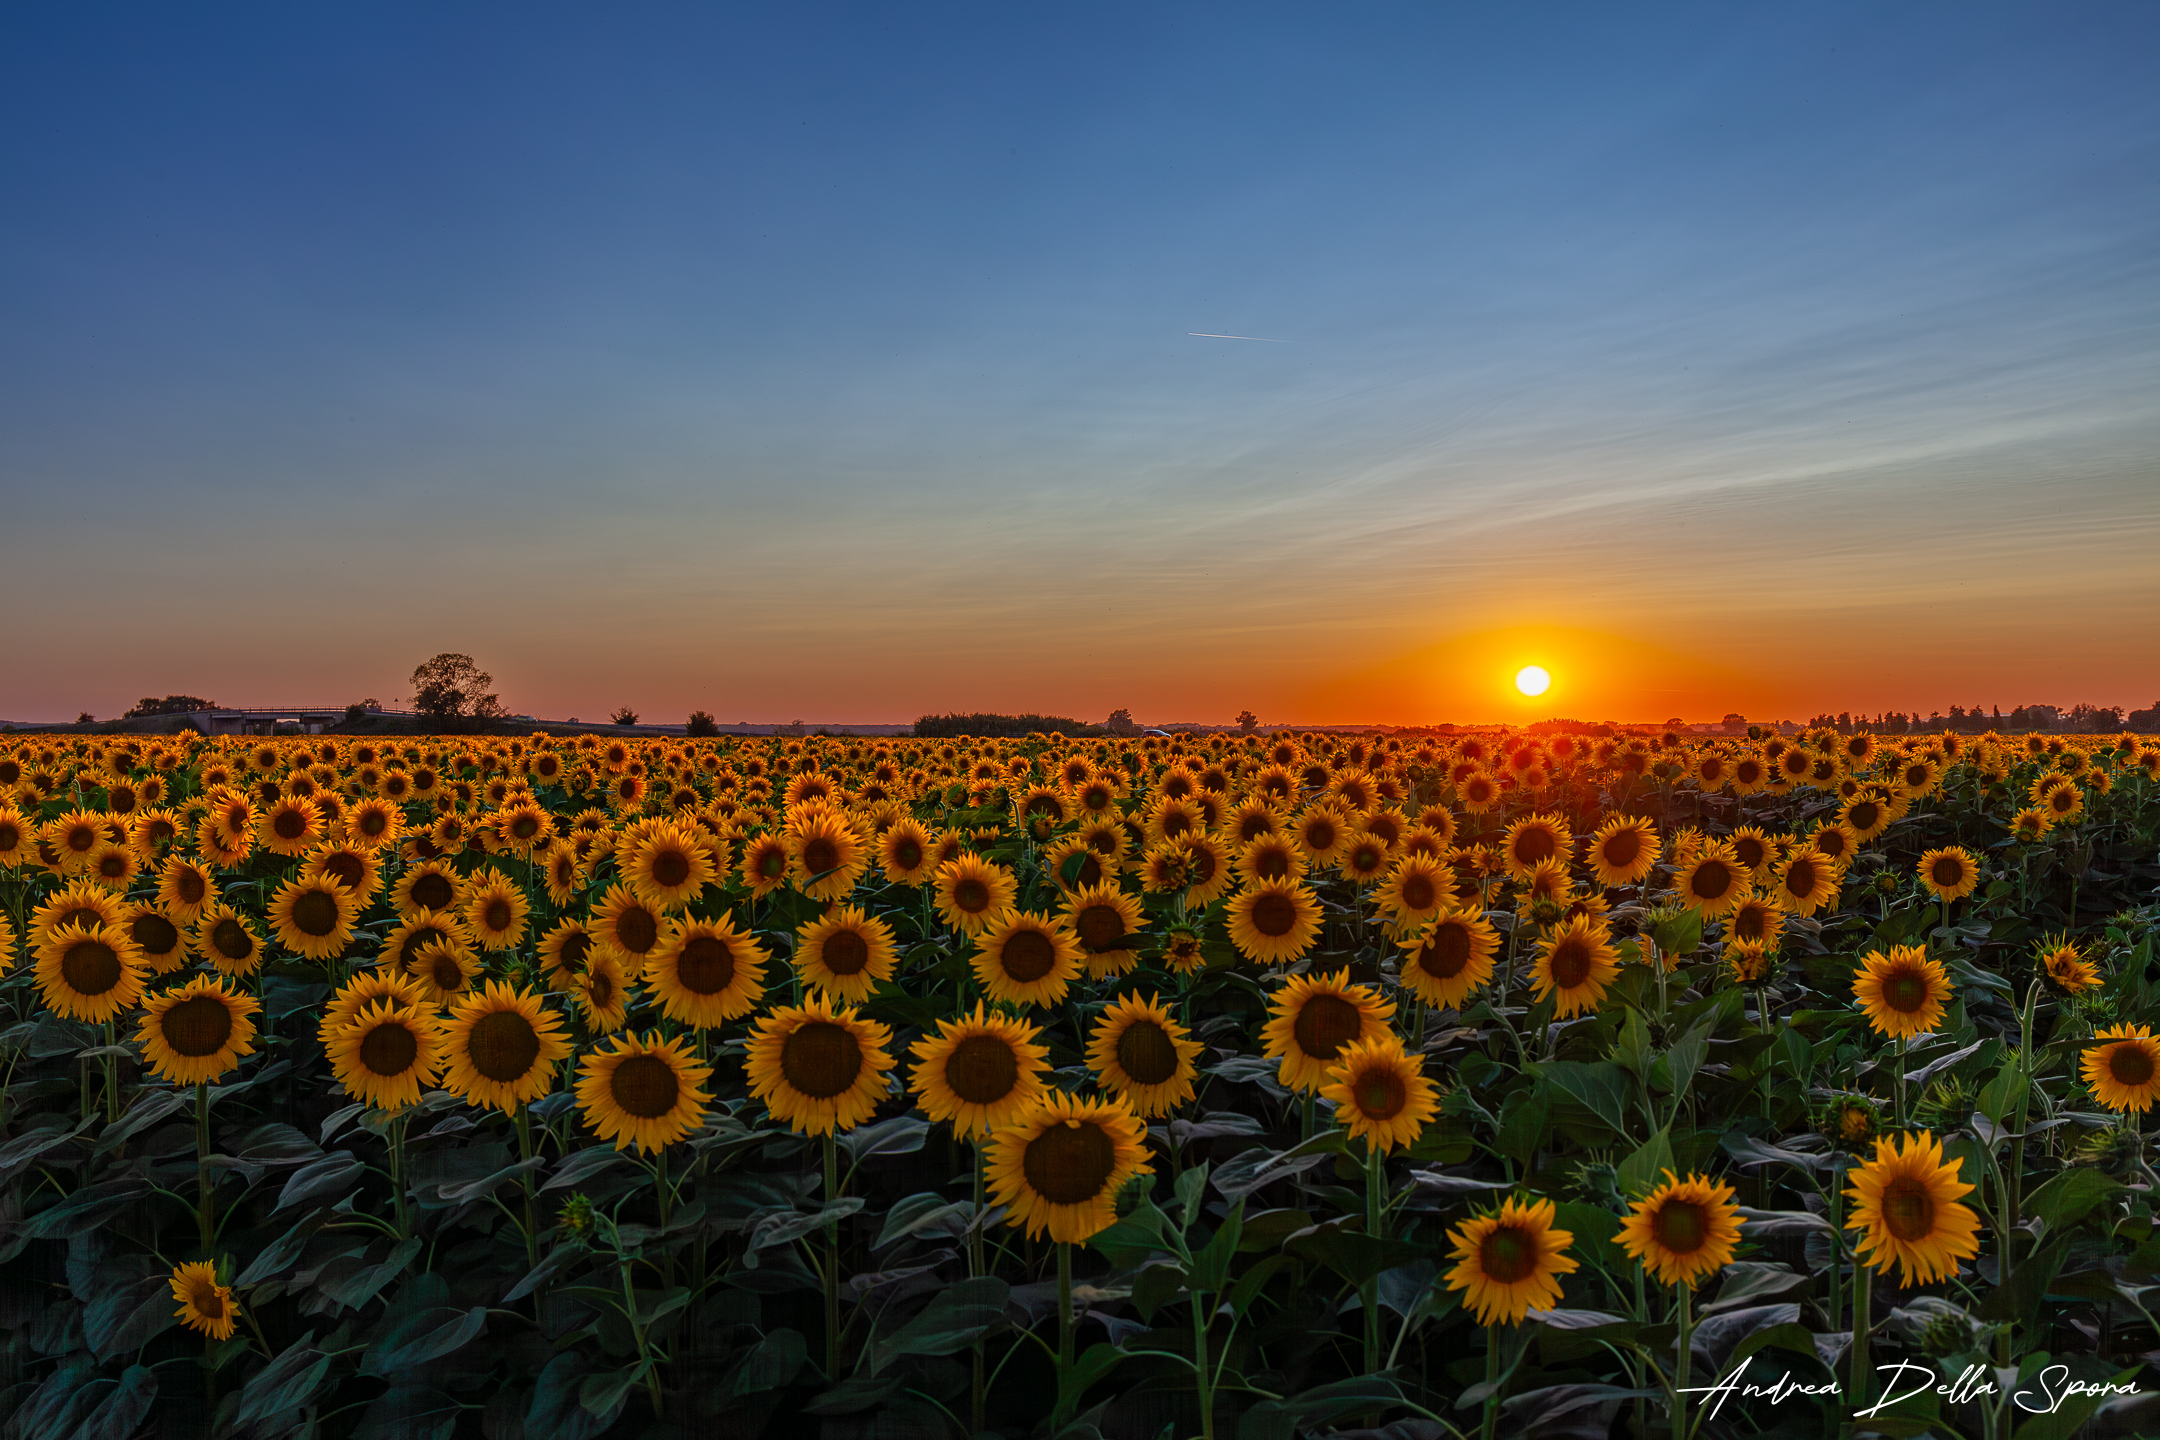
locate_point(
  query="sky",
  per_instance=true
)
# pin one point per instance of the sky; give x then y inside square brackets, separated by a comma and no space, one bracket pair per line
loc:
[838,363]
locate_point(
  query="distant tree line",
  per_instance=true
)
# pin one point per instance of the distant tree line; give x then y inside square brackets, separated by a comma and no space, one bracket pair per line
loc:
[2077,720]
[985,723]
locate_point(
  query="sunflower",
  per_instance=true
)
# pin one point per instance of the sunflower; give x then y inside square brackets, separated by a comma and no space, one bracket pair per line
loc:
[195,1032]
[562,953]
[1450,958]
[112,866]
[227,941]
[387,1054]
[401,947]
[817,1067]
[1479,792]
[444,970]
[292,825]
[904,853]
[1509,1262]
[75,835]
[1274,922]
[2124,1075]
[1905,1201]
[1712,881]
[501,1047]
[1624,850]
[1950,874]
[357,993]
[1533,840]
[847,954]
[1806,882]
[427,886]
[706,972]
[2066,966]
[17,837]
[1904,993]
[765,864]
[1574,965]
[1418,888]
[643,1091]
[1106,922]
[358,870]
[602,993]
[980,1072]
[825,854]
[668,867]
[1748,962]
[1060,1167]
[1312,1018]
[1321,832]
[1027,959]
[1207,869]
[78,903]
[162,940]
[1756,920]
[1683,1230]
[1270,858]
[1867,816]
[205,1305]
[627,926]
[1142,1054]
[373,823]
[313,917]
[1380,1093]
[496,910]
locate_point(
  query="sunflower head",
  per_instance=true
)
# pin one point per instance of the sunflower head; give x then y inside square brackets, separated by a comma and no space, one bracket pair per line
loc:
[643,1092]
[1450,957]
[1313,1019]
[1142,1053]
[2122,1067]
[979,1072]
[206,1304]
[1380,1092]
[1059,1168]
[89,971]
[2066,967]
[387,1053]
[501,1047]
[1510,1261]
[1903,992]
[1684,1230]
[818,1067]
[1575,964]
[1905,1203]
[1949,874]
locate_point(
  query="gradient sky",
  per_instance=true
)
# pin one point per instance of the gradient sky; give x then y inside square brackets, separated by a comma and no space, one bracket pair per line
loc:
[833,363]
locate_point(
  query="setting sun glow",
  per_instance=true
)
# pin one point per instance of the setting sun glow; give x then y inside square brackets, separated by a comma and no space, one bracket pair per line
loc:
[1533,680]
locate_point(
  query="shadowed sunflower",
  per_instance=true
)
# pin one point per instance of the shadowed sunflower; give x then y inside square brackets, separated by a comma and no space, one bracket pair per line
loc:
[89,971]
[1574,965]
[162,941]
[1533,840]
[1755,850]
[205,1305]
[602,993]
[313,917]
[2066,966]
[979,1072]
[1141,1053]
[496,910]
[1072,865]
[1321,832]
[1756,920]
[1025,959]
[195,1032]
[904,853]
[1807,882]
[429,886]
[1905,1201]
[444,971]
[357,871]
[1271,858]
[847,954]
[387,1054]
[79,903]
[1106,922]
[1903,992]
[825,855]
[765,864]
[817,1067]
[402,946]
[1683,1230]
[293,825]
[2029,827]
[668,867]
[563,951]
[1867,816]
[1381,1093]
[357,993]
[706,972]
[1450,958]
[1274,922]
[501,1047]
[1510,1262]
[626,926]
[373,823]
[1712,881]
[642,1092]
[1416,889]
[971,892]
[1060,1168]
[1312,1019]
[1950,873]
[2123,1068]
[1624,850]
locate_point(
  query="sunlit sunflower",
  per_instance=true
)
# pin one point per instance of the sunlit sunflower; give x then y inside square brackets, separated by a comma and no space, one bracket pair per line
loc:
[291,826]
[765,864]
[818,1067]
[1418,888]
[1107,923]
[1059,1168]
[1684,1230]
[1027,959]
[1271,858]
[1533,840]
[1624,850]
[1141,1052]
[373,823]
[1806,882]
[904,853]
[971,892]
[444,971]
[627,926]
[17,837]
[205,1305]
[1949,874]
[111,865]
[501,1047]
[1274,922]
[2064,964]
[1756,920]
[357,870]
[1867,816]
[313,917]
[227,941]
[196,1031]
[1574,965]
[1749,962]
[602,993]
[667,868]
[643,1092]
[402,945]
[495,910]
[1449,959]
[1479,792]
[1321,832]
[979,1072]
[1313,1018]
[2124,1074]
[1510,1262]
[387,1054]
[428,886]
[1712,881]
[847,954]
[1903,992]
[1380,1093]
[825,855]
[1905,1203]
[75,835]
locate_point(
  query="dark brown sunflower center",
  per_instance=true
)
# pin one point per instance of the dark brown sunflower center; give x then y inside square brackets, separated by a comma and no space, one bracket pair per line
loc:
[199,1025]
[1570,962]
[1535,845]
[971,896]
[575,945]
[1508,1256]
[1381,1094]
[524,827]
[156,934]
[1320,836]
[1028,955]
[1713,878]
[1272,864]
[208,1303]
[1681,1226]
[1274,915]
[433,891]
[1621,848]
[2130,1064]
[190,886]
[907,855]
[445,971]
[1101,927]
[636,930]
[1800,880]
[706,966]
[670,868]
[315,914]
[503,1045]
[646,1086]
[981,1070]
[1419,892]
[1905,991]
[1948,872]
[372,822]
[772,862]
[231,939]
[1326,1023]
[346,868]
[1069,1163]
[821,855]
[846,952]
[1908,1209]
[1145,1052]
[821,1059]
[289,824]
[1865,814]
[1448,951]
[389,1049]
[1750,922]
[497,915]
[1750,850]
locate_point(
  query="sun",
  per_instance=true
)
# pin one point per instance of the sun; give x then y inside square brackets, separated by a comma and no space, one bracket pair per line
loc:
[1533,680]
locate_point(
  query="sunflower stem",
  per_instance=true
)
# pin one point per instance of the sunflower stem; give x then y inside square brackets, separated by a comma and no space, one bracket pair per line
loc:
[112,1077]
[1683,1305]
[1065,1336]
[1863,1320]
[977,1392]
[532,1228]
[397,1176]
[1369,1293]
[832,1259]
[205,1219]
[1489,1425]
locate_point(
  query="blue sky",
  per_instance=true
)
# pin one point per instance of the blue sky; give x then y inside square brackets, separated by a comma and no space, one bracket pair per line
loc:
[834,362]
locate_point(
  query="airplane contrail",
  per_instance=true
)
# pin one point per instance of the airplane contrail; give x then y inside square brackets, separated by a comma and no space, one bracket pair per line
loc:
[1211,335]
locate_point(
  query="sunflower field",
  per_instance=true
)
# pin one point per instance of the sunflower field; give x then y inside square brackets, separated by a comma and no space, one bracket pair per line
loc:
[1263,1085]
